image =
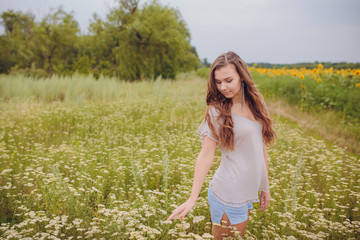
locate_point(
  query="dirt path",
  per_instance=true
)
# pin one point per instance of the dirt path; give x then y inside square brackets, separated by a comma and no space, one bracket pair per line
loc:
[324,125]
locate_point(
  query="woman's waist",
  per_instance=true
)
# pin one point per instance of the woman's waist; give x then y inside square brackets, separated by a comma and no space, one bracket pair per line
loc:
[240,203]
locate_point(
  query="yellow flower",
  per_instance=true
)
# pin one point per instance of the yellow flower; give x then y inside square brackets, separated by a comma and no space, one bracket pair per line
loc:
[314,76]
[301,76]
[255,64]
[319,80]
[303,87]
[320,66]
[357,85]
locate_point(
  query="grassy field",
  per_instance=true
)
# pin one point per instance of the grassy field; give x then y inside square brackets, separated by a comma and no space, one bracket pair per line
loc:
[102,159]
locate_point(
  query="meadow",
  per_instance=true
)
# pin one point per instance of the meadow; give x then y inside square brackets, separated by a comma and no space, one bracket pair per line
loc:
[104,159]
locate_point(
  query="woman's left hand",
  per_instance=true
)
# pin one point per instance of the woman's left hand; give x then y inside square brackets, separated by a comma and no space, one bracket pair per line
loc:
[264,200]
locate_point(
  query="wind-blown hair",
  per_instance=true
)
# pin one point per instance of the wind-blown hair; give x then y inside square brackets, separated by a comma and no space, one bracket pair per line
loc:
[223,105]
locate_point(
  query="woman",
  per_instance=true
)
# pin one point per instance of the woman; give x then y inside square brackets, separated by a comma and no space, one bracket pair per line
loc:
[237,121]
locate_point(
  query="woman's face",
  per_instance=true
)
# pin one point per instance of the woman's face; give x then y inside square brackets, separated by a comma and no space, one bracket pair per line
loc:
[228,81]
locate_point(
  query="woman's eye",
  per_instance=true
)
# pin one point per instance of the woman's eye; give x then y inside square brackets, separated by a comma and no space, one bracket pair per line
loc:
[229,81]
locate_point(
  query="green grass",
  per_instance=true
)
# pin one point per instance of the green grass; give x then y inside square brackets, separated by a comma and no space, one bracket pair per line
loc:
[333,93]
[113,161]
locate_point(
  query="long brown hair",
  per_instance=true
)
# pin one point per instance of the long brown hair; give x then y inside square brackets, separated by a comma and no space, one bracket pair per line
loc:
[223,105]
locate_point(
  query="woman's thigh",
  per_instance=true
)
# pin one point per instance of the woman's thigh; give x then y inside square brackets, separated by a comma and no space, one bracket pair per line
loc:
[226,229]
[240,227]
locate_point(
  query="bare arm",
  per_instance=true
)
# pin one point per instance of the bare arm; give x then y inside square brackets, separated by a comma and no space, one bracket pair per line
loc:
[266,163]
[203,164]
[265,196]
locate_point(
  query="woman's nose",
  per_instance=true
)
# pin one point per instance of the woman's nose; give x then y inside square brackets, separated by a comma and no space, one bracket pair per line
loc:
[223,86]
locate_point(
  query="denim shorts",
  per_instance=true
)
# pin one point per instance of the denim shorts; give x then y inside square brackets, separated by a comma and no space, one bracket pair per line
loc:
[235,214]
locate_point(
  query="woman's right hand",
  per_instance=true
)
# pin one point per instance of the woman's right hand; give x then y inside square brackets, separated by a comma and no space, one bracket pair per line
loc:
[183,209]
[264,200]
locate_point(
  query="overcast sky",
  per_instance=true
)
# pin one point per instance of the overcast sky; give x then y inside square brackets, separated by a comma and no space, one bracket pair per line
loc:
[274,31]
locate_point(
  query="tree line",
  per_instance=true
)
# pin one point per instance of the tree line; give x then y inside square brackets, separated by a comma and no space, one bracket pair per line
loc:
[131,43]
[334,65]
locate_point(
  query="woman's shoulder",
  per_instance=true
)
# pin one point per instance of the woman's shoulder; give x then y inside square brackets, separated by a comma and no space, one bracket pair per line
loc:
[213,111]
[213,114]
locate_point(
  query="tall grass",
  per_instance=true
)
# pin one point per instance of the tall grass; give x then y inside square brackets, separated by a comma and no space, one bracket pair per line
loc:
[80,88]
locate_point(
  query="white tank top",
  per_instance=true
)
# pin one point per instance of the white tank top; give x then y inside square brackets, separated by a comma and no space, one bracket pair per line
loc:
[242,172]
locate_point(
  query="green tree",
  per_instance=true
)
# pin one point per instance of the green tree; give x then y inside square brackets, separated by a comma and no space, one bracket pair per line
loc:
[146,42]
[54,42]
[14,45]
[99,47]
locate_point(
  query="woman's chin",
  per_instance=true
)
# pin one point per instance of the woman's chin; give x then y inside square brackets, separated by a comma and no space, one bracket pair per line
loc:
[228,96]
